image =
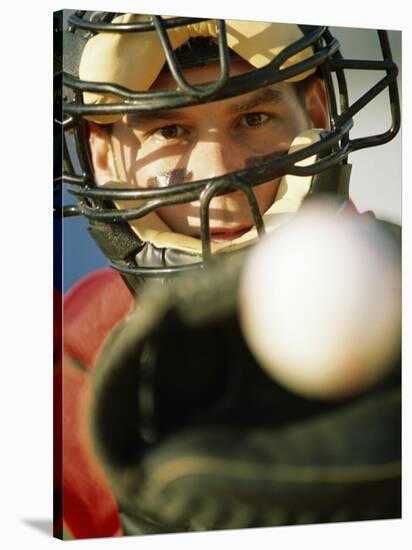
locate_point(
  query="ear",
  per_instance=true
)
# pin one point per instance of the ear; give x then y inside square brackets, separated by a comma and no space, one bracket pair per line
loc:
[101,153]
[317,103]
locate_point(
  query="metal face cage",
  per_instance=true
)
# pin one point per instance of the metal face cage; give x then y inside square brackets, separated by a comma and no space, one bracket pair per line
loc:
[108,224]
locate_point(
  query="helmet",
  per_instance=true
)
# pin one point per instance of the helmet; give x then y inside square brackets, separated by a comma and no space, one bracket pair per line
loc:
[123,220]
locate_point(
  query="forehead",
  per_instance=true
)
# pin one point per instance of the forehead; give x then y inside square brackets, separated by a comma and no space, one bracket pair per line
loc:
[278,96]
[280,93]
[200,74]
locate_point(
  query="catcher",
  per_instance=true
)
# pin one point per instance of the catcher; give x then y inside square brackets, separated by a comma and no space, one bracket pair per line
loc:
[184,142]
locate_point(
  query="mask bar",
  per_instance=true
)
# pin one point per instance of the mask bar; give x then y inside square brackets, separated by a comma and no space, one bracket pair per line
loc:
[81,132]
[176,71]
[163,99]
[389,81]
[224,187]
[191,191]
[78,20]
[343,93]
[155,272]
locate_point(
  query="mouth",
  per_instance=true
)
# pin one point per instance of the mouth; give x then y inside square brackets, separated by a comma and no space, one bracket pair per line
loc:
[219,235]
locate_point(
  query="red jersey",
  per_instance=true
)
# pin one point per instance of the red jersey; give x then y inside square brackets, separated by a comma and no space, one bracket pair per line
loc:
[85,505]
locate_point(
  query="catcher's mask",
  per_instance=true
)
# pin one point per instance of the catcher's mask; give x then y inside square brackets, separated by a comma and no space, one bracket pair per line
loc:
[97,87]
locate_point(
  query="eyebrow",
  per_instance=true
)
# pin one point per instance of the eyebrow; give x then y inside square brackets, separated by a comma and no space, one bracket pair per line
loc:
[169,114]
[260,97]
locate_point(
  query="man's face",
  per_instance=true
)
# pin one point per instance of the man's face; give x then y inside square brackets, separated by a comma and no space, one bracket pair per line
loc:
[164,148]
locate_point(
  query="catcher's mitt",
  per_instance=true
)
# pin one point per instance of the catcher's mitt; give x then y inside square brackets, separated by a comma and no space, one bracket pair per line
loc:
[194,435]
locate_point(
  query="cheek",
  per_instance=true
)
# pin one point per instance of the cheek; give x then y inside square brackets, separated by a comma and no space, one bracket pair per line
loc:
[137,161]
[177,218]
[265,194]
[274,139]
[151,165]
[299,120]
[145,171]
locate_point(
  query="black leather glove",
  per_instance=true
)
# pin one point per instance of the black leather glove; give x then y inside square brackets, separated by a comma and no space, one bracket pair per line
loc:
[194,435]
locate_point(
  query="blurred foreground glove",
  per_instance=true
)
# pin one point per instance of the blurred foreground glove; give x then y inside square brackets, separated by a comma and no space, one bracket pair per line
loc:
[194,435]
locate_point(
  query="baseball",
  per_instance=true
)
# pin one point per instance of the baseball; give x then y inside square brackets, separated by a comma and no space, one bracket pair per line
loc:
[320,302]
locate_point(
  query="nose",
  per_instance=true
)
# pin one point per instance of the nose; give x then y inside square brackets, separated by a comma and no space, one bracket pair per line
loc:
[213,158]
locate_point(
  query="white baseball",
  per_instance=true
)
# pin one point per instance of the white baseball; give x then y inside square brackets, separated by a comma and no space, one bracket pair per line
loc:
[320,303]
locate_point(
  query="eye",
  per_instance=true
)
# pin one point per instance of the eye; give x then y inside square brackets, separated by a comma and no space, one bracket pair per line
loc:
[172,131]
[251,120]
